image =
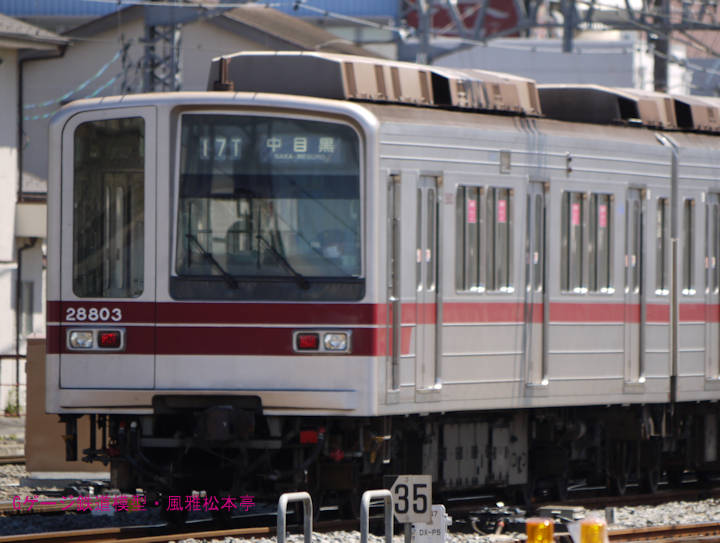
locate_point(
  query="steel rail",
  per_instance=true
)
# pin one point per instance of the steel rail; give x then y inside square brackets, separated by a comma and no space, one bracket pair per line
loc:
[12,459]
[134,534]
[161,534]
[706,532]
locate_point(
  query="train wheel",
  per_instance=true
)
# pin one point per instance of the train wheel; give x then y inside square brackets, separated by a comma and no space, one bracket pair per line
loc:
[222,517]
[651,462]
[619,462]
[675,476]
[175,518]
[560,491]
[650,479]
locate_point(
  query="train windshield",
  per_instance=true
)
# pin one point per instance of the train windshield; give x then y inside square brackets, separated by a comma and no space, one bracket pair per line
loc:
[268,208]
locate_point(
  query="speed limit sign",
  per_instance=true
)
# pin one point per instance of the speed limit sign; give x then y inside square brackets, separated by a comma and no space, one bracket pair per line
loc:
[412,498]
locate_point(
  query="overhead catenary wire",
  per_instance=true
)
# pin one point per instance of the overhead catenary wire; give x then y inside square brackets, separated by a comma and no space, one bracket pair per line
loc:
[66,96]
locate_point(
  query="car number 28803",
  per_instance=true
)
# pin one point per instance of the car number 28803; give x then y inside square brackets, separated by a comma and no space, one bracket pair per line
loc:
[93,314]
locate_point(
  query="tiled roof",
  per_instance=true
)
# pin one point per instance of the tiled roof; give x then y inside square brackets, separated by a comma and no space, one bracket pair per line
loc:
[277,30]
[292,30]
[20,31]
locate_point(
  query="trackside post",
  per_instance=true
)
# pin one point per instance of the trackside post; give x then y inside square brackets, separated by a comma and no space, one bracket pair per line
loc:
[289,497]
[365,514]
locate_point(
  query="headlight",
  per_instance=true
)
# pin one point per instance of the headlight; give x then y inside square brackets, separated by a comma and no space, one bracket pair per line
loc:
[80,339]
[335,341]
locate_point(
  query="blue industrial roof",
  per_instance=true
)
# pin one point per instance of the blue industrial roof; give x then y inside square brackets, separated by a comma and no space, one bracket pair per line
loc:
[354,8]
[28,8]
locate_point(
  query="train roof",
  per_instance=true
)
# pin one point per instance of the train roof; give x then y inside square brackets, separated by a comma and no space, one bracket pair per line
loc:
[347,77]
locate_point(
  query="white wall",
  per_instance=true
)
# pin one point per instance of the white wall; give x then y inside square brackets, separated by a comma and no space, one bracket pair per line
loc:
[8,191]
[49,80]
[612,62]
[203,41]
[608,63]
[8,152]
[7,334]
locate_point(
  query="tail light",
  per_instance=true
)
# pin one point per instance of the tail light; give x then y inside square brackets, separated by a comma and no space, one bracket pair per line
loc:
[307,342]
[322,341]
[109,339]
[93,339]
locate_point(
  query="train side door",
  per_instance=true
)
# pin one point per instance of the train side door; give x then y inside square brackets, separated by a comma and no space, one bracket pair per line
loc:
[712,282]
[634,286]
[426,283]
[535,298]
[107,285]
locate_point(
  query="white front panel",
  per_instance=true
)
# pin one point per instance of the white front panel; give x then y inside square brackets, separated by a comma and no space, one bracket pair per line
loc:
[108,245]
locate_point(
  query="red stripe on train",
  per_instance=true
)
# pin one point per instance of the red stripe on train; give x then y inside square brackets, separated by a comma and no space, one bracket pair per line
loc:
[302,314]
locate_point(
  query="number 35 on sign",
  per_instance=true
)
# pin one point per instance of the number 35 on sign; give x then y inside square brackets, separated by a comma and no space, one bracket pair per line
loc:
[412,498]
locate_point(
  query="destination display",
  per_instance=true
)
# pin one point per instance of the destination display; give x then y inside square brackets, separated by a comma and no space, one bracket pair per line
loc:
[219,142]
[280,148]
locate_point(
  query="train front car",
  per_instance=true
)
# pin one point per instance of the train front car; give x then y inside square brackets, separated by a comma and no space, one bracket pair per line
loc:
[209,270]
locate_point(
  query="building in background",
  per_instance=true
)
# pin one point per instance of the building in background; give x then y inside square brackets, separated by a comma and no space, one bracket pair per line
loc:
[621,62]
[105,57]
[101,57]
[22,218]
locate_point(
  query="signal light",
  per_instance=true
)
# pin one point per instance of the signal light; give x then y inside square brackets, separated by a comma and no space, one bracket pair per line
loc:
[308,342]
[539,530]
[593,530]
[109,339]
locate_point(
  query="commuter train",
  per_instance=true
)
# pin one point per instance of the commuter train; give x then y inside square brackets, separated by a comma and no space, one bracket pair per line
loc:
[328,269]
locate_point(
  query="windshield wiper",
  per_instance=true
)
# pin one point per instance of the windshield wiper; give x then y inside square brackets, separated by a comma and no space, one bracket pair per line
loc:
[229,279]
[302,282]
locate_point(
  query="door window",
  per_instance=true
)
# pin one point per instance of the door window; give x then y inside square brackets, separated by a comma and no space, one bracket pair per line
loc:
[108,209]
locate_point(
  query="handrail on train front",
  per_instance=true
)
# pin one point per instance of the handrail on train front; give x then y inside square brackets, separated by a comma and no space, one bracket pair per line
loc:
[365,514]
[289,497]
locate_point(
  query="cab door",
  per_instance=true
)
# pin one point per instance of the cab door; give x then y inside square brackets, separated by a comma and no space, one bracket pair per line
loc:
[107,285]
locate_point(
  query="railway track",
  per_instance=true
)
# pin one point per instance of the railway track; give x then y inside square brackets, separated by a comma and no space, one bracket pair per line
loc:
[692,533]
[12,459]
[162,534]
[706,533]
[138,534]
[602,500]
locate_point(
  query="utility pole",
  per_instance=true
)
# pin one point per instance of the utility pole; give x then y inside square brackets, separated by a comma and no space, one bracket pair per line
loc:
[162,66]
[569,24]
[661,41]
[424,29]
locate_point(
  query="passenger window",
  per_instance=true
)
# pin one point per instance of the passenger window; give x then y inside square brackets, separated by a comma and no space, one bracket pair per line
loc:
[572,276]
[108,208]
[418,237]
[688,247]
[431,241]
[713,243]
[600,246]
[662,248]
[469,274]
[499,239]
